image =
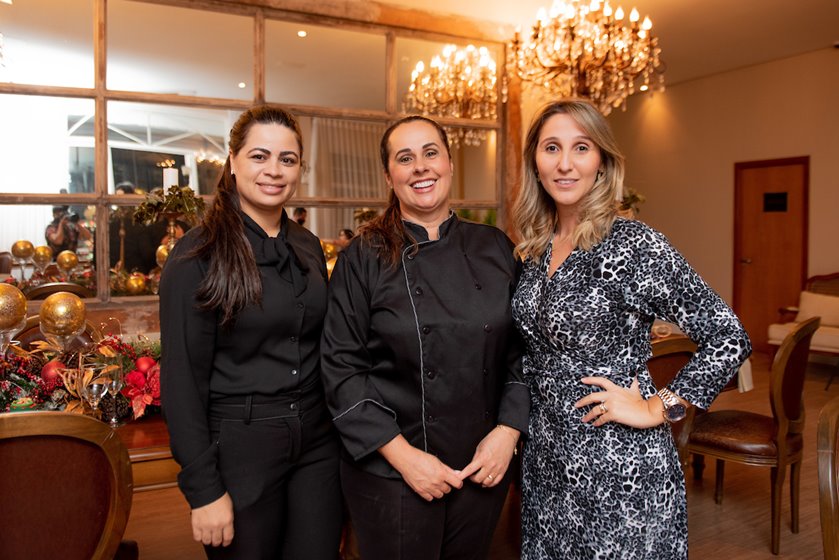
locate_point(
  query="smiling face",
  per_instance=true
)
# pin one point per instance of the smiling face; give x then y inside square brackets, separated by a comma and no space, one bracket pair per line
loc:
[267,170]
[419,170]
[567,161]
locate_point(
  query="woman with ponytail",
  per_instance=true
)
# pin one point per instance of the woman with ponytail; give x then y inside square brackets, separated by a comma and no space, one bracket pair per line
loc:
[242,301]
[421,363]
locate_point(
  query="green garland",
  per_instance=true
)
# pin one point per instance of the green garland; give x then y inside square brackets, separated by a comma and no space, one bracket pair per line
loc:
[180,201]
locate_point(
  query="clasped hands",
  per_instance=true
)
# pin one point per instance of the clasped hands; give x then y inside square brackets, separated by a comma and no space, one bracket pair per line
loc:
[429,477]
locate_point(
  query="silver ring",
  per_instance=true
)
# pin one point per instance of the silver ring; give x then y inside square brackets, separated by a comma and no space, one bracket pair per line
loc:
[603,409]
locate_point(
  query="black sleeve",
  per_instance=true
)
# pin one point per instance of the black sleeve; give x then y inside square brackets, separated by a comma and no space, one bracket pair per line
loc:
[188,337]
[363,419]
[514,407]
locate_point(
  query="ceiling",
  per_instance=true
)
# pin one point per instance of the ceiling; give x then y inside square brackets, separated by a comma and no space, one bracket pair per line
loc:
[697,37]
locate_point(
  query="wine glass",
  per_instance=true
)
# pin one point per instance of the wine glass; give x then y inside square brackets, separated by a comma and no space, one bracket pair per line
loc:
[115,385]
[94,391]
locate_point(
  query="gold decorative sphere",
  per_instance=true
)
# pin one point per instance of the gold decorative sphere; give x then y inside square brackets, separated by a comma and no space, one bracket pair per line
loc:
[67,261]
[161,255]
[12,307]
[330,264]
[135,284]
[62,313]
[42,256]
[23,249]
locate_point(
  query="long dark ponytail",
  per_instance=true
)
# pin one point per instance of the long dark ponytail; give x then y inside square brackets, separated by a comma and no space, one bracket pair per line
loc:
[233,280]
[386,232]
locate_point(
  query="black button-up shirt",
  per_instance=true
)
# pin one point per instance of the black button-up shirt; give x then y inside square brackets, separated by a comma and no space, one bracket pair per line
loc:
[271,350]
[427,349]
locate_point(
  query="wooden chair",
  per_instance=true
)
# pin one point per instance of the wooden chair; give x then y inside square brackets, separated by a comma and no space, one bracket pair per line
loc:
[44,290]
[66,485]
[32,332]
[669,356]
[6,262]
[828,457]
[772,441]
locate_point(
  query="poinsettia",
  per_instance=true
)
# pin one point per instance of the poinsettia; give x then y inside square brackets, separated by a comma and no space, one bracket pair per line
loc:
[142,385]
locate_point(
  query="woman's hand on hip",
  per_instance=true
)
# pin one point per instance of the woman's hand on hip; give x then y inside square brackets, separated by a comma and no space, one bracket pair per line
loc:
[213,524]
[492,457]
[618,404]
[424,473]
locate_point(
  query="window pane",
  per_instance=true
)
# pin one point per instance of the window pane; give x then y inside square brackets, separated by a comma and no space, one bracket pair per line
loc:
[329,67]
[144,139]
[480,215]
[343,158]
[70,228]
[411,51]
[41,150]
[163,49]
[47,43]
[474,165]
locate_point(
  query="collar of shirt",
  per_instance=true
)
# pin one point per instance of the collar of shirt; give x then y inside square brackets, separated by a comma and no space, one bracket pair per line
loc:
[421,234]
[277,251]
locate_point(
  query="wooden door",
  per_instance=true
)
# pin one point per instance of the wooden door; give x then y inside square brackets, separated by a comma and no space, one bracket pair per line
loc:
[770,240]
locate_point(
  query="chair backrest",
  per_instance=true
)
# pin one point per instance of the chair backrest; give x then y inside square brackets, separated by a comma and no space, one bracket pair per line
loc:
[828,458]
[669,356]
[66,486]
[44,290]
[5,262]
[826,284]
[787,378]
[32,332]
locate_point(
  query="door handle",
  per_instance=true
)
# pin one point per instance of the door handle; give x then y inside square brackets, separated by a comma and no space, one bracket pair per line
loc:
[745,261]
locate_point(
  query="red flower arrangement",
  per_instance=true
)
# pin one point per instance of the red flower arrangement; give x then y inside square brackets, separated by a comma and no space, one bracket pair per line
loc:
[142,382]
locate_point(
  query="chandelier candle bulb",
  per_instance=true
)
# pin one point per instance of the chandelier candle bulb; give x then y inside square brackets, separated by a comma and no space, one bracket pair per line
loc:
[587,49]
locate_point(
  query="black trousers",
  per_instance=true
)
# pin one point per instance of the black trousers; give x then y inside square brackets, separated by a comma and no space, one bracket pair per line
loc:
[392,522]
[279,462]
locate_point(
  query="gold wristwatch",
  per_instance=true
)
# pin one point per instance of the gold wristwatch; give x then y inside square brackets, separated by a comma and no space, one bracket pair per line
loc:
[674,410]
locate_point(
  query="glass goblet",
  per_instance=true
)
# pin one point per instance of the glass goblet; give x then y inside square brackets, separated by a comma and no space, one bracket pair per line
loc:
[115,385]
[94,391]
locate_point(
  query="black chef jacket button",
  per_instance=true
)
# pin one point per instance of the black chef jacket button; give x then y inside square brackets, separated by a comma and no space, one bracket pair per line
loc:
[294,339]
[299,305]
[486,414]
[293,406]
[426,330]
[487,328]
[431,374]
[294,372]
[418,291]
[430,418]
[485,371]
[477,286]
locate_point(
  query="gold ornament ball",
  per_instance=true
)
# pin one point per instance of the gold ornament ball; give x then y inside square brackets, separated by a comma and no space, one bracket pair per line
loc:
[42,256]
[161,255]
[67,260]
[328,249]
[12,306]
[135,284]
[23,249]
[62,313]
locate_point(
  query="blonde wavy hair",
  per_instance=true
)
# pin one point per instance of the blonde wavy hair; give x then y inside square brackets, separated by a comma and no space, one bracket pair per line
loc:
[534,212]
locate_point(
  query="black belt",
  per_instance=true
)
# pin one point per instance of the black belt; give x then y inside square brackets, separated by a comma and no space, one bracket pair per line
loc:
[256,407]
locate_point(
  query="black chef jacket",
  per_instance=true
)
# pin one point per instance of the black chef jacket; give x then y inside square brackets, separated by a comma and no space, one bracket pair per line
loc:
[427,349]
[271,350]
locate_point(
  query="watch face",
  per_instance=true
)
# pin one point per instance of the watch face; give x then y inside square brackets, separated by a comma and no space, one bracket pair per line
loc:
[675,412]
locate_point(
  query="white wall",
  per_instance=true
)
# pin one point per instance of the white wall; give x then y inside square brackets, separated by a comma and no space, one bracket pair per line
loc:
[681,147]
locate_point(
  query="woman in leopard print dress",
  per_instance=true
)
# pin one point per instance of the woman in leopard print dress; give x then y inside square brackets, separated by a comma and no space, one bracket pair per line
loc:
[601,476]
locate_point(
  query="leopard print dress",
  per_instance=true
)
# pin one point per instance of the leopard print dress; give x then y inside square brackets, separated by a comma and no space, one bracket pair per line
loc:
[612,491]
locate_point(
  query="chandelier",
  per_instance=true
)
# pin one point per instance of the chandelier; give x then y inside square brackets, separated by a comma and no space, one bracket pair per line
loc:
[460,83]
[585,49]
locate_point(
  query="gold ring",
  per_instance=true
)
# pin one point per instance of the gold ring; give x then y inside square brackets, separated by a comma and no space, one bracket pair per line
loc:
[489,476]
[603,408]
